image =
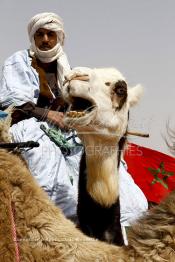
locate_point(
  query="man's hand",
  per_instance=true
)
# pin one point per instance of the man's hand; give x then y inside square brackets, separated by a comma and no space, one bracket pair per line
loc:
[56,118]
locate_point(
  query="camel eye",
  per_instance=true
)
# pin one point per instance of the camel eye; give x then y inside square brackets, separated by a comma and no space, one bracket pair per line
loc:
[120,89]
[107,83]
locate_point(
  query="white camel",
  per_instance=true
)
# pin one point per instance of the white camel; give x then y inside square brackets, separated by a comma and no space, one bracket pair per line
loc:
[100,100]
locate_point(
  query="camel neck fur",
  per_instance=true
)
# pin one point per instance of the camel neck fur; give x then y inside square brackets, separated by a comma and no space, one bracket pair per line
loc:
[102,171]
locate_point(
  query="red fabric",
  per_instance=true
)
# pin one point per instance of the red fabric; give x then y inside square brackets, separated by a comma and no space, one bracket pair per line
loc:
[152,171]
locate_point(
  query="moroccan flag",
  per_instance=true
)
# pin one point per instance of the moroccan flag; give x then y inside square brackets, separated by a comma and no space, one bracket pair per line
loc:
[152,171]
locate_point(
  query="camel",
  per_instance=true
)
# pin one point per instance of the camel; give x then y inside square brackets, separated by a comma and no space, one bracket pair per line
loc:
[32,229]
[100,100]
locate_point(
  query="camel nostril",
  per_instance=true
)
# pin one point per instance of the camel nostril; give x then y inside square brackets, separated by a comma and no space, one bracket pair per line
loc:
[68,88]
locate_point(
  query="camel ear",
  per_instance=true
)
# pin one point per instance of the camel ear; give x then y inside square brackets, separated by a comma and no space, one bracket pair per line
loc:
[134,94]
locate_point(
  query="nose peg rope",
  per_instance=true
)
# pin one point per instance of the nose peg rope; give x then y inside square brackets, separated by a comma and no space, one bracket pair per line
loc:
[81,77]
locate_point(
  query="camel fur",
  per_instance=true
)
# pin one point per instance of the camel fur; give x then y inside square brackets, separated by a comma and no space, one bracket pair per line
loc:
[5,126]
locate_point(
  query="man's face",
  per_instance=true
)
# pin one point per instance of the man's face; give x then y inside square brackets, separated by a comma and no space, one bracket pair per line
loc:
[45,39]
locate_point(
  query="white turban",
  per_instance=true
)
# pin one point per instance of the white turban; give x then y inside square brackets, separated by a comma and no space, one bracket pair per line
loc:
[50,21]
[53,22]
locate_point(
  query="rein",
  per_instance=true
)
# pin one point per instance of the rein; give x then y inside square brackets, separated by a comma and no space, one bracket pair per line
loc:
[14,234]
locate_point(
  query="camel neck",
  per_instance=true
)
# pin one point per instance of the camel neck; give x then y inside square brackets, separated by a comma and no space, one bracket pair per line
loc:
[102,172]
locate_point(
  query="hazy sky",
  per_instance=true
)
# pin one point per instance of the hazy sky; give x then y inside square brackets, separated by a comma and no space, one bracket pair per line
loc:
[135,36]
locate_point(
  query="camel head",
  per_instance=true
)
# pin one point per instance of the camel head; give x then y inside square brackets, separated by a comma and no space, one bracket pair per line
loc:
[99,104]
[99,101]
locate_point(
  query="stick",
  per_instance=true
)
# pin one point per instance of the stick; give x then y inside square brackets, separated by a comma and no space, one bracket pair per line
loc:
[27,144]
[137,134]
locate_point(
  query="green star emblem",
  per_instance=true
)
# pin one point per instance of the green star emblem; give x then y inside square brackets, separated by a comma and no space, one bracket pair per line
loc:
[160,171]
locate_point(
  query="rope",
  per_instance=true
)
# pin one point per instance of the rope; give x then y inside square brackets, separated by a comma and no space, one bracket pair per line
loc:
[76,76]
[14,235]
